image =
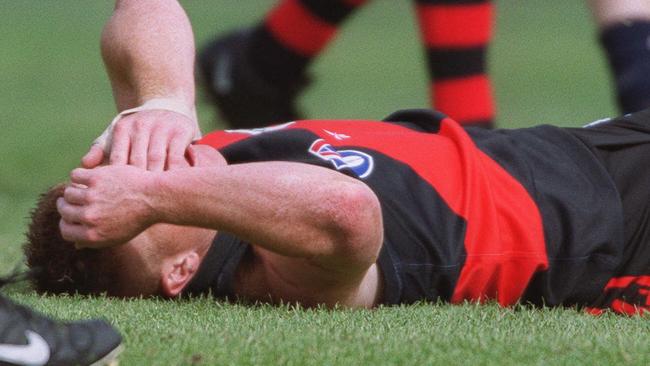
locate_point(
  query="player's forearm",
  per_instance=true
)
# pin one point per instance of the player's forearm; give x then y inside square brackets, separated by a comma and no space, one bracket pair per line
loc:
[608,12]
[148,50]
[288,208]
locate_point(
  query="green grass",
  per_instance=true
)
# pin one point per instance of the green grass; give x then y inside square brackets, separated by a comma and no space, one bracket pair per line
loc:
[54,99]
[203,332]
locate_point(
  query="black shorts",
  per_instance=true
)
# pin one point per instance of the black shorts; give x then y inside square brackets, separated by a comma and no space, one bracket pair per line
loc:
[623,146]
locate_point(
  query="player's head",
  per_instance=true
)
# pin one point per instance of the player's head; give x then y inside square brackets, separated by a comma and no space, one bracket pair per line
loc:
[159,261]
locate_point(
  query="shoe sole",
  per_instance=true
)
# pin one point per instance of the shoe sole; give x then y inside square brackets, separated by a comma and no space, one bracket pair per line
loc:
[111,358]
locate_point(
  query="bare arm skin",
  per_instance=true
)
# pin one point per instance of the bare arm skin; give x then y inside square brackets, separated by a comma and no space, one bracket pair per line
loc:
[607,12]
[148,50]
[315,242]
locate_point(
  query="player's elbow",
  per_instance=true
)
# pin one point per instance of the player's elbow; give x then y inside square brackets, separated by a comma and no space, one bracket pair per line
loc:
[359,226]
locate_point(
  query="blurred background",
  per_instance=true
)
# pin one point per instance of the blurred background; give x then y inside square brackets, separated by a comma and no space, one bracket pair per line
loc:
[55,98]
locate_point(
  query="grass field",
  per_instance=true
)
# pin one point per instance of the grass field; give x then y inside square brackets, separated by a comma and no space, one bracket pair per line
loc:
[55,98]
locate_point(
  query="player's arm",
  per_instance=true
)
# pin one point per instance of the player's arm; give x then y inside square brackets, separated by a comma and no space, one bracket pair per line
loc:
[148,50]
[328,221]
[292,209]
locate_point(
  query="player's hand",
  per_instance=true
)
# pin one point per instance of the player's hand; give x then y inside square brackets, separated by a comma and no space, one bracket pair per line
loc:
[106,206]
[152,139]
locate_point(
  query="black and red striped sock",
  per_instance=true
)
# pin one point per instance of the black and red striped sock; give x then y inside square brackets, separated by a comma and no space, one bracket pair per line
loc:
[293,33]
[456,34]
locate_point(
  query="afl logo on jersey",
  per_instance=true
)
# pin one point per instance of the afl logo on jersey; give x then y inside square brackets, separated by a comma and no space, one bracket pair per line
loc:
[359,162]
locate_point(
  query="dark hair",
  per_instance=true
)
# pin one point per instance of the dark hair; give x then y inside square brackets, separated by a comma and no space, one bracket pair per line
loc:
[58,266]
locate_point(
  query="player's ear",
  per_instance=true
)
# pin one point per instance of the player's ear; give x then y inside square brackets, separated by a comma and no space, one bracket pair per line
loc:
[177,271]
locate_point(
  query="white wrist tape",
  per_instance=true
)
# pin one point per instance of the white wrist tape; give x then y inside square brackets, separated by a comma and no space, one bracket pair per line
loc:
[165,104]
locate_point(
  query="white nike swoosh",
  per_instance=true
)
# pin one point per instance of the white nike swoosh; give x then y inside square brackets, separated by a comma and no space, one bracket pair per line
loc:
[35,353]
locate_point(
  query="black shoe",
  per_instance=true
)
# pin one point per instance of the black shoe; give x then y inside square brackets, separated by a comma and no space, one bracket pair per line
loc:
[244,99]
[30,338]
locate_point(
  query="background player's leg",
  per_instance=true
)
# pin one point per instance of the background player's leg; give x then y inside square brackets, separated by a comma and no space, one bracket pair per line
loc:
[294,33]
[625,36]
[456,35]
[269,62]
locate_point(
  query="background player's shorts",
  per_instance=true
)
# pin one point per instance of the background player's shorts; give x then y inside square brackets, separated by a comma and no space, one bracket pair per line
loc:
[623,146]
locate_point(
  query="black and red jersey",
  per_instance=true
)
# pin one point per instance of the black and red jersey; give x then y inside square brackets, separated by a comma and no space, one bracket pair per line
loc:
[526,215]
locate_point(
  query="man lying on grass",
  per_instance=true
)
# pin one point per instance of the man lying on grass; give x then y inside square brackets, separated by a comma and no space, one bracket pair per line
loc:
[354,213]
[361,213]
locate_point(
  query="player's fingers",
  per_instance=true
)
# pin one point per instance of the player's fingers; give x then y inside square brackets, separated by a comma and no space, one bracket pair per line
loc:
[157,150]
[75,195]
[204,156]
[93,157]
[139,147]
[176,152]
[82,176]
[68,212]
[120,143]
[75,233]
